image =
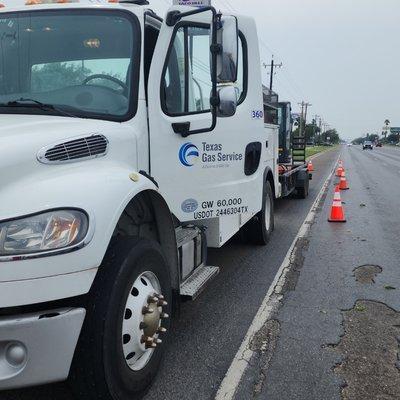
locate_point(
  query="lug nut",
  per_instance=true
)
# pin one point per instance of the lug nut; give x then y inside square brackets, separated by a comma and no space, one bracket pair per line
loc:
[143,339]
[160,296]
[162,303]
[164,315]
[152,299]
[161,329]
[150,343]
[147,310]
[146,339]
[158,341]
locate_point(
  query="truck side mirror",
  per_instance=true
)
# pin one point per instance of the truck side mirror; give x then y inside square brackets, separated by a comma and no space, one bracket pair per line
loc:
[228,42]
[228,99]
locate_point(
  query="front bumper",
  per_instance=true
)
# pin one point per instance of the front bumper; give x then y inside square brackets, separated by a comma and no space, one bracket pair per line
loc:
[38,348]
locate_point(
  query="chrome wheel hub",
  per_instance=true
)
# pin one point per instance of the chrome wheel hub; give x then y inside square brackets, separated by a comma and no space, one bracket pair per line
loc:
[141,327]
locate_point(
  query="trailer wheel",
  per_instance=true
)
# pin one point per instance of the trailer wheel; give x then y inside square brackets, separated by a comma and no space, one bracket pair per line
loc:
[259,229]
[302,192]
[120,347]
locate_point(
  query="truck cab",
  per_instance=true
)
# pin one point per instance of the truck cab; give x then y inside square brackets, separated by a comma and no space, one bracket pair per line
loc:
[129,144]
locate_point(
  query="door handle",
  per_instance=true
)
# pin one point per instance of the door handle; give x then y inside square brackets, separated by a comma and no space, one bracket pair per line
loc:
[181,128]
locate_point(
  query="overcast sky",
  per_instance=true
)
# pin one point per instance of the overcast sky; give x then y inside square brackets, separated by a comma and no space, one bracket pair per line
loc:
[343,56]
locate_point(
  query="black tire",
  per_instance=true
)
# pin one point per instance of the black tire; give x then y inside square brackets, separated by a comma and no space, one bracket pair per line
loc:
[256,231]
[302,192]
[99,370]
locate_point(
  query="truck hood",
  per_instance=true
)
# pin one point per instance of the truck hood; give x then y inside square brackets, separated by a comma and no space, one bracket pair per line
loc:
[22,136]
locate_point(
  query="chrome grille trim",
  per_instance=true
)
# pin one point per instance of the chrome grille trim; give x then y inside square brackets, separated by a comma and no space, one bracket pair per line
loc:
[76,149]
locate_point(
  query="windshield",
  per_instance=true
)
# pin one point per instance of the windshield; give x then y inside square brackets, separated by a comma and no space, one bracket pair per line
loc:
[76,61]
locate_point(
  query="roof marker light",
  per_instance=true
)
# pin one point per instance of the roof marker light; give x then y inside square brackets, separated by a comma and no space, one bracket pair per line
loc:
[34,2]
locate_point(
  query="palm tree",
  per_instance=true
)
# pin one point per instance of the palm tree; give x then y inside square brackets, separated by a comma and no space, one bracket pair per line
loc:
[387,123]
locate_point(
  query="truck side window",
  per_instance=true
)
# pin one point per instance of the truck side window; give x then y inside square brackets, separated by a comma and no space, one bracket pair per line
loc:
[187,81]
[174,78]
[199,81]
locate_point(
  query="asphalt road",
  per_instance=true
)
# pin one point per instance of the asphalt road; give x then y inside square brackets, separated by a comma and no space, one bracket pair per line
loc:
[207,334]
[336,333]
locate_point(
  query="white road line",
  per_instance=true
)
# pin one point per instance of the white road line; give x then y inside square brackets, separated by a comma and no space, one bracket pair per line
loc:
[242,358]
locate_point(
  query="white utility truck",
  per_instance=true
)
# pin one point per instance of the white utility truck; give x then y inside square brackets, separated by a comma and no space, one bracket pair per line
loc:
[128,145]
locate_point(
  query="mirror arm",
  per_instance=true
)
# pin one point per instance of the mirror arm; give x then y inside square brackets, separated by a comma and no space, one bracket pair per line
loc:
[173,17]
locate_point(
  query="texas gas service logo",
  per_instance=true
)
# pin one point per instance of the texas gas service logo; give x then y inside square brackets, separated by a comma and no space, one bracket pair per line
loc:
[188,154]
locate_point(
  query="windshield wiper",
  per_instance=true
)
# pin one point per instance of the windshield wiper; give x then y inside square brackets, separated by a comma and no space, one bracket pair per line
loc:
[22,102]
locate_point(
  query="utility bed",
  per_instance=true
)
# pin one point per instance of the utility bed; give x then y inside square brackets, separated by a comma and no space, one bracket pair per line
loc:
[290,147]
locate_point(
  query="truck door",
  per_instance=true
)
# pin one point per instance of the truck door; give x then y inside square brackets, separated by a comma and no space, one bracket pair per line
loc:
[210,174]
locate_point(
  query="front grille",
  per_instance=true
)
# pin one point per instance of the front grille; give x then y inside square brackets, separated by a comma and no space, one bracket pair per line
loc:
[77,149]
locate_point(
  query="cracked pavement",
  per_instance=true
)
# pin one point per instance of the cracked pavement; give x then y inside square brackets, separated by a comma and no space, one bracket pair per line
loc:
[338,323]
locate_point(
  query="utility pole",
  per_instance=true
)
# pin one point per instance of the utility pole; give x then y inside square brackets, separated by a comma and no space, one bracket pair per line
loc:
[303,116]
[301,119]
[320,130]
[315,127]
[306,105]
[273,66]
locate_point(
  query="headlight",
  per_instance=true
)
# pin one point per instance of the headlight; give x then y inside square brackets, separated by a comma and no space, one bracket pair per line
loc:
[43,232]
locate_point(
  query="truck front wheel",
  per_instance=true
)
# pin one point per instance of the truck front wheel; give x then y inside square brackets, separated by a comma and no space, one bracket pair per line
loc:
[259,229]
[121,347]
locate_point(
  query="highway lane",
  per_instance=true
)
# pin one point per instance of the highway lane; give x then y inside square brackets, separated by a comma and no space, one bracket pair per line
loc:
[308,360]
[208,332]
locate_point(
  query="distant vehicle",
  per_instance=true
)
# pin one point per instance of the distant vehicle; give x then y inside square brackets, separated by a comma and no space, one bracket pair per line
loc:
[368,145]
[379,144]
[349,144]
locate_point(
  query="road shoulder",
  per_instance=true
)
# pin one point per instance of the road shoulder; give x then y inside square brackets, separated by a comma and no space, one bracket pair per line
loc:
[334,330]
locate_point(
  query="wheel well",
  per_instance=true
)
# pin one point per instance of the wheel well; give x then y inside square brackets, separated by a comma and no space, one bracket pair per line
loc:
[147,215]
[270,179]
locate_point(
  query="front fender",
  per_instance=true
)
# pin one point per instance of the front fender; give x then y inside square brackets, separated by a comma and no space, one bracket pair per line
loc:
[100,188]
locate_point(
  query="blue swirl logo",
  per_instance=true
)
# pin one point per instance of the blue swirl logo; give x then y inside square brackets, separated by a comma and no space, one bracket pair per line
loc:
[189,206]
[188,154]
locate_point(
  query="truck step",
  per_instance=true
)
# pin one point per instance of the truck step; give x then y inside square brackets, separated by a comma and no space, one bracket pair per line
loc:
[197,281]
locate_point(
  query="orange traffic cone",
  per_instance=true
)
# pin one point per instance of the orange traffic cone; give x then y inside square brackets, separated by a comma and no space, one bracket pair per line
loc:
[337,211]
[343,182]
[340,168]
[310,167]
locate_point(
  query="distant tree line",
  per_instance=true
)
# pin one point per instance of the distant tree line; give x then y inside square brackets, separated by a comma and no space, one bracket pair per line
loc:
[315,136]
